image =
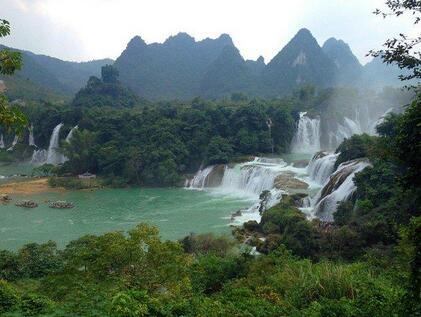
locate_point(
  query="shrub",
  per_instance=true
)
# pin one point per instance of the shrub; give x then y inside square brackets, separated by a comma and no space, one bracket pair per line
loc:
[9,298]
[34,305]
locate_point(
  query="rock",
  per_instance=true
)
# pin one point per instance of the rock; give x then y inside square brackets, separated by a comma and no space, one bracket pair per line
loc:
[4,198]
[300,163]
[214,179]
[26,204]
[287,181]
[298,198]
[61,205]
[252,226]
[319,155]
[238,213]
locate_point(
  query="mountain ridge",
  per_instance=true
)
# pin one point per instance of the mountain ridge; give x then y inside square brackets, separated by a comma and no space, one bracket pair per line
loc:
[183,68]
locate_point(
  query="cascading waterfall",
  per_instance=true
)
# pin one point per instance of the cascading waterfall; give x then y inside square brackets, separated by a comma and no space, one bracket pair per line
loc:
[353,127]
[70,135]
[2,146]
[252,178]
[68,138]
[340,187]
[246,180]
[321,166]
[31,140]
[307,136]
[39,157]
[380,121]
[53,156]
[199,180]
[15,141]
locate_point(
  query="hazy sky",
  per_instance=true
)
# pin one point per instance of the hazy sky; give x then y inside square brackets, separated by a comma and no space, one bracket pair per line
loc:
[92,29]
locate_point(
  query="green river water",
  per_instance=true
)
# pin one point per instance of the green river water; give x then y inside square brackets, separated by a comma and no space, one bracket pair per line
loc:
[175,211]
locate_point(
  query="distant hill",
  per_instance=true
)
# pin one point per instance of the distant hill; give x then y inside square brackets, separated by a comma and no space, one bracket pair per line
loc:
[378,74]
[300,62]
[53,74]
[348,68]
[228,74]
[183,68]
[173,69]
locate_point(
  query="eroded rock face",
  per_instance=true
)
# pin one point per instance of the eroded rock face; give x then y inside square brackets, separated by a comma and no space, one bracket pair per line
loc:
[340,187]
[214,178]
[286,181]
[300,163]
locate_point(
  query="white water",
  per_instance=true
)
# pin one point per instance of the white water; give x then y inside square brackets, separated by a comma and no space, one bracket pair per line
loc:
[39,157]
[15,141]
[320,168]
[199,180]
[31,140]
[325,207]
[307,136]
[70,135]
[247,181]
[251,178]
[380,121]
[2,146]
[54,156]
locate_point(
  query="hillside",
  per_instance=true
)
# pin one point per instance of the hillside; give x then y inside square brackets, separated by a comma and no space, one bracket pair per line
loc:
[183,68]
[52,74]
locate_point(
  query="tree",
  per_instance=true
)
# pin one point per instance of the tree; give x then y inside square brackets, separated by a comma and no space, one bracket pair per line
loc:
[109,74]
[402,51]
[80,151]
[10,117]
[219,151]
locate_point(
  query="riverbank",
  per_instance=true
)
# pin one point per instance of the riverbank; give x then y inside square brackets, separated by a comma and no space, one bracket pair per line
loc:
[29,187]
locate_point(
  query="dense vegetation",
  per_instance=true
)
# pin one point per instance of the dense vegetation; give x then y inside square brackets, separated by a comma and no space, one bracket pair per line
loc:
[366,263]
[106,91]
[155,145]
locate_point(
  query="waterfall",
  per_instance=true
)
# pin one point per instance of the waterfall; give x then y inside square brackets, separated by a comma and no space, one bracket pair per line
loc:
[252,178]
[31,140]
[15,141]
[70,135]
[380,121]
[321,166]
[199,180]
[39,157]
[307,136]
[340,187]
[53,156]
[2,146]
[353,127]
[68,138]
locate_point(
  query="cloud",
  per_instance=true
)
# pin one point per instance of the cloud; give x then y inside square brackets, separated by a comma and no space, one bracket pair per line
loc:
[87,29]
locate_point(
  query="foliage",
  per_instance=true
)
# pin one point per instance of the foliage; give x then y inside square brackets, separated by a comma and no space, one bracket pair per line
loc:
[140,275]
[219,151]
[357,146]
[10,117]
[285,224]
[402,50]
[106,91]
[156,144]
[9,298]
